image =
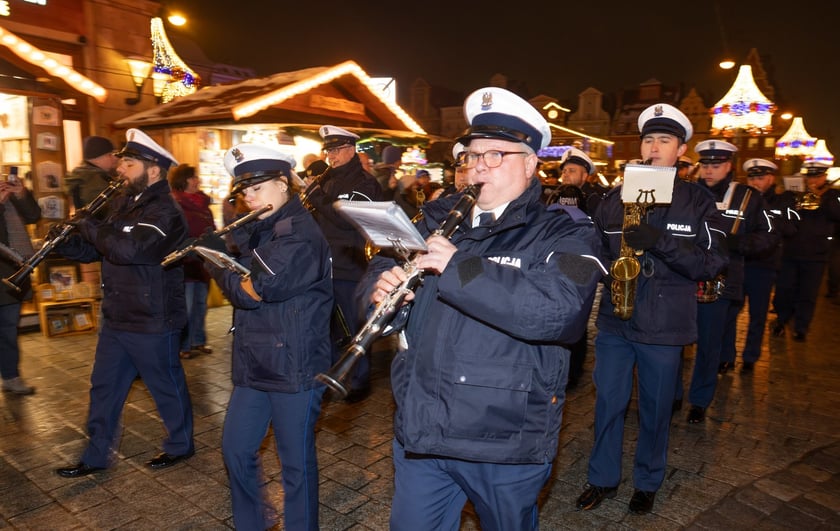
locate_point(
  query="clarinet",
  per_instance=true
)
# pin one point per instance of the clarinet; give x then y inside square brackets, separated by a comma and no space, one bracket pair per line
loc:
[176,255]
[337,378]
[16,280]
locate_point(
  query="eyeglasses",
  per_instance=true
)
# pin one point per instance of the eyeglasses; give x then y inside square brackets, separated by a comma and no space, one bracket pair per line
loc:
[492,158]
[334,150]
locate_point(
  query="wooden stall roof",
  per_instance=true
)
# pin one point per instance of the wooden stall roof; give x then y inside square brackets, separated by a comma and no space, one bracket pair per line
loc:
[341,95]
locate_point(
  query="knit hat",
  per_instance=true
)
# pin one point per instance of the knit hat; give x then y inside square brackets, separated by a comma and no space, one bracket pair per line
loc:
[96,146]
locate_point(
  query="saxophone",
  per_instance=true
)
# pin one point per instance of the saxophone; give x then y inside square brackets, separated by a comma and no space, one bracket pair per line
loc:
[625,269]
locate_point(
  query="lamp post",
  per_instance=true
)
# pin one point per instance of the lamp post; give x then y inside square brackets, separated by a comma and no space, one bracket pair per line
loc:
[139,69]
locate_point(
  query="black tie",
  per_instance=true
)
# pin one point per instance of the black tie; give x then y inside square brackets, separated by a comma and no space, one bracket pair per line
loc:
[486,218]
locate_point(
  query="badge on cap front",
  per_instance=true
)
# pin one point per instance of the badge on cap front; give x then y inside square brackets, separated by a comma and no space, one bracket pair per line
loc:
[237,155]
[658,111]
[486,101]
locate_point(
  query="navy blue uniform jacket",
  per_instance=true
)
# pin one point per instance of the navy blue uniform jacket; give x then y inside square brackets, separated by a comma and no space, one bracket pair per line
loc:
[665,307]
[347,245]
[755,234]
[281,342]
[484,374]
[138,295]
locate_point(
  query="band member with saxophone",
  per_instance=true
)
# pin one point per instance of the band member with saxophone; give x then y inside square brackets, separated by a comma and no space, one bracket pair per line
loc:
[18,208]
[479,384]
[677,250]
[345,179]
[281,339]
[749,231]
[805,253]
[760,269]
[142,306]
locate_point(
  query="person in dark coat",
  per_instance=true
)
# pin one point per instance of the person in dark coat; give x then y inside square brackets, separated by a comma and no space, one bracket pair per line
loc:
[93,175]
[805,253]
[345,179]
[678,249]
[760,269]
[479,388]
[281,339]
[18,208]
[195,205]
[142,306]
[749,231]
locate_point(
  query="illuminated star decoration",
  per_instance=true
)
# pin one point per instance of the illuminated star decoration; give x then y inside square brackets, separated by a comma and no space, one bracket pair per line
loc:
[181,80]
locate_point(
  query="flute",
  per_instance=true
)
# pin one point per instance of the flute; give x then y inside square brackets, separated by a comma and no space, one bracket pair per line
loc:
[176,255]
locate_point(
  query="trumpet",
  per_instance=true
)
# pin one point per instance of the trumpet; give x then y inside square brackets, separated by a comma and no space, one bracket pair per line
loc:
[26,267]
[307,194]
[337,378]
[176,255]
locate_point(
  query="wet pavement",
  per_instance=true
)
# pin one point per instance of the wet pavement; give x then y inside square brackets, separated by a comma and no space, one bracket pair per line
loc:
[767,457]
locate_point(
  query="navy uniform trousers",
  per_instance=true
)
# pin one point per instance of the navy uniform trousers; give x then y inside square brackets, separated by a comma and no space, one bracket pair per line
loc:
[293,417]
[430,493]
[711,323]
[797,289]
[120,357]
[657,367]
[758,283]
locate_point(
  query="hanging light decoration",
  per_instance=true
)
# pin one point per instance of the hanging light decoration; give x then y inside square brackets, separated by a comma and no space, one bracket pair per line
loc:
[820,153]
[744,108]
[182,79]
[796,142]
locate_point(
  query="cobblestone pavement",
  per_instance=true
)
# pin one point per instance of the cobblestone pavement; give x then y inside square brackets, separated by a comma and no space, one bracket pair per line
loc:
[767,457]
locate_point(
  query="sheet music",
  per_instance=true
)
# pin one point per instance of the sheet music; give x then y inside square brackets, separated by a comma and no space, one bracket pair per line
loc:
[794,184]
[384,223]
[648,184]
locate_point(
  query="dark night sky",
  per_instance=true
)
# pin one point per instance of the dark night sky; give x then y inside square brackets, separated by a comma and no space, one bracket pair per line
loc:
[557,48]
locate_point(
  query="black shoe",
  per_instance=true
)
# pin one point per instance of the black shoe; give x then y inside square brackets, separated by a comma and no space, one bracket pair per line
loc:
[642,501]
[696,415]
[593,496]
[165,460]
[747,367]
[81,469]
[726,366]
[799,336]
[778,329]
[357,395]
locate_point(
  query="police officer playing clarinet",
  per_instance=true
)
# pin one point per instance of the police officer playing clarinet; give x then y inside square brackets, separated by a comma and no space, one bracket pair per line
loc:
[143,307]
[479,386]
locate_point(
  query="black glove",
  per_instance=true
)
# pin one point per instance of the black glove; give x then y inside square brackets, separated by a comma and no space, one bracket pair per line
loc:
[212,241]
[733,242]
[642,237]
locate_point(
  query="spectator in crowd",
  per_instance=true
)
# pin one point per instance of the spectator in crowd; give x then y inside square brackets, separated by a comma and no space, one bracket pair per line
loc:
[94,174]
[18,208]
[195,205]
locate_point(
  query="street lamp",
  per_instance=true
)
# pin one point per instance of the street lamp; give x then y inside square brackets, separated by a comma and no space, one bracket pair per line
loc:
[139,69]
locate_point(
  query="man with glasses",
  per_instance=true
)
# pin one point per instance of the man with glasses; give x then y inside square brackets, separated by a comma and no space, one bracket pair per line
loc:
[805,253]
[345,179]
[479,386]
